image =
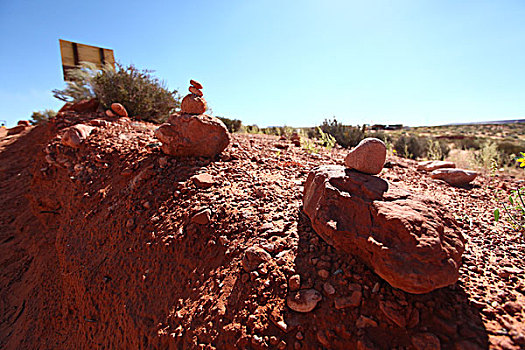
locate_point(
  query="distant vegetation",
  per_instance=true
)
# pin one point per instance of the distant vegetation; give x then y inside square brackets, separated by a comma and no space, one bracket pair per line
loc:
[144,96]
[39,117]
[480,146]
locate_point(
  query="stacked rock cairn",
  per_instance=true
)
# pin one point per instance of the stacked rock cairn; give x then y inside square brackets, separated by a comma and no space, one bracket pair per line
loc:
[191,133]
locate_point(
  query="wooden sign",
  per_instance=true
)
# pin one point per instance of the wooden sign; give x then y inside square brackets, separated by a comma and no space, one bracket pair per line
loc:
[73,54]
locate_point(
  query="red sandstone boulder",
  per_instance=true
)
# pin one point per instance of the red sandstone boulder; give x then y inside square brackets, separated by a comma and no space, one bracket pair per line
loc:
[431,165]
[24,122]
[193,136]
[409,240]
[75,135]
[119,109]
[455,177]
[367,157]
[192,104]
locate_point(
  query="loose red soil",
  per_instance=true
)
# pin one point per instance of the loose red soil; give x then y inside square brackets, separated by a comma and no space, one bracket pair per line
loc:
[98,250]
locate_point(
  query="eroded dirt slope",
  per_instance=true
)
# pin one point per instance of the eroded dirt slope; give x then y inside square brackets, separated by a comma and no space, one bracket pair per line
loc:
[115,261]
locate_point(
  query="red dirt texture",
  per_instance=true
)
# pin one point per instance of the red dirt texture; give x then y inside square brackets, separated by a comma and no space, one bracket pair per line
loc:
[115,245]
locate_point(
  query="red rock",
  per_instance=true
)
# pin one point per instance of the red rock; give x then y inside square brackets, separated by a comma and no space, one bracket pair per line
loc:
[425,341]
[304,300]
[202,217]
[294,282]
[84,106]
[16,130]
[192,104]
[455,177]
[24,122]
[350,301]
[367,157]
[410,240]
[203,180]
[75,135]
[431,165]
[395,312]
[110,113]
[195,91]
[196,84]
[99,122]
[119,109]
[193,136]
[253,256]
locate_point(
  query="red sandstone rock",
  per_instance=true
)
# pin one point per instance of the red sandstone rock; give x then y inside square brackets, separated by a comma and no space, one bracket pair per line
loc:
[195,91]
[119,109]
[16,130]
[409,240]
[192,104]
[203,180]
[431,165]
[202,217]
[24,122]
[110,113]
[304,300]
[84,106]
[75,135]
[193,136]
[253,256]
[367,157]
[455,177]
[196,84]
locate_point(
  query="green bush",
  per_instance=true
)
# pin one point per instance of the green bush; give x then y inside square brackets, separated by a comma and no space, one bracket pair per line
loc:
[145,97]
[233,125]
[437,149]
[410,146]
[468,143]
[39,117]
[345,135]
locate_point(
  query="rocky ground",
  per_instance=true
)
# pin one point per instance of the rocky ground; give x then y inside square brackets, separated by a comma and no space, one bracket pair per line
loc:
[116,245]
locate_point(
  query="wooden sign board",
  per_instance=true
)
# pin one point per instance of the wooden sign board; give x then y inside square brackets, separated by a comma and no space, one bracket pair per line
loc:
[73,54]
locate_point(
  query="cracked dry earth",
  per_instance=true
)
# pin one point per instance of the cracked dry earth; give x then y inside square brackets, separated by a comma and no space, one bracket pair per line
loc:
[115,245]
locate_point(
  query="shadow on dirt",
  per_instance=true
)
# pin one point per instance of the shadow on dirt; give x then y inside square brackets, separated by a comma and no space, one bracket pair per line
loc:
[385,317]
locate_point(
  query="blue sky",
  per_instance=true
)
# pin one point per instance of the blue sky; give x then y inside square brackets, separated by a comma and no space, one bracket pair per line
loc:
[286,62]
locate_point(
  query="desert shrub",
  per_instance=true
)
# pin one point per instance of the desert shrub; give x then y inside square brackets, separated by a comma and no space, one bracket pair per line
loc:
[509,148]
[383,136]
[515,208]
[345,135]
[437,149]
[233,125]
[250,129]
[40,117]
[144,96]
[468,143]
[487,156]
[410,146]
[81,86]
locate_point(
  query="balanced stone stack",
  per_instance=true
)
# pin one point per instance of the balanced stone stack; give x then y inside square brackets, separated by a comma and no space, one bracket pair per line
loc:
[408,239]
[191,133]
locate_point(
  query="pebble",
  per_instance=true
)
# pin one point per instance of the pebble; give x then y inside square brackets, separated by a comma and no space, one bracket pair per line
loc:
[304,300]
[294,282]
[349,301]
[323,274]
[328,288]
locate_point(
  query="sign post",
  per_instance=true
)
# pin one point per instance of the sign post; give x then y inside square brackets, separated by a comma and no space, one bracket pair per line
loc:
[73,54]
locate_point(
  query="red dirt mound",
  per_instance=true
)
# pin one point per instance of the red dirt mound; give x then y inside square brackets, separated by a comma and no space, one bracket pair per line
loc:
[116,261]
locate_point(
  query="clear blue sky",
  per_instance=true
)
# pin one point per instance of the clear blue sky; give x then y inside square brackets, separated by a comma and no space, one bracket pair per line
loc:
[286,62]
